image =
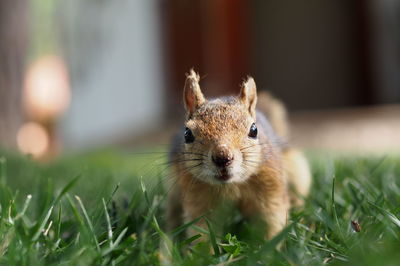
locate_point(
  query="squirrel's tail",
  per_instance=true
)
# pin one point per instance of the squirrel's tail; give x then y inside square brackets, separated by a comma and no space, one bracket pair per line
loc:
[276,113]
[295,163]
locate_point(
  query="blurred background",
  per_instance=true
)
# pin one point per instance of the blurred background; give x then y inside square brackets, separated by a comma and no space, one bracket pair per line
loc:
[79,75]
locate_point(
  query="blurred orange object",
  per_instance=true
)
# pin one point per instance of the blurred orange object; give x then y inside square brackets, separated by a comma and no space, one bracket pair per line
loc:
[47,92]
[32,138]
[46,96]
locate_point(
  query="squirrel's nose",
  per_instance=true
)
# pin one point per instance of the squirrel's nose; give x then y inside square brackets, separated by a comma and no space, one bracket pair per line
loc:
[222,161]
[222,158]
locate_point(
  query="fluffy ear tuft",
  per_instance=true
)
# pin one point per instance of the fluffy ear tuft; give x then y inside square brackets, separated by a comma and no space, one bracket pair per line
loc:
[248,95]
[192,95]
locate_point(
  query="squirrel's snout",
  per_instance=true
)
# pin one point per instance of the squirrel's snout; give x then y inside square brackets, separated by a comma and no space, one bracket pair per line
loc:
[222,158]
[222,161]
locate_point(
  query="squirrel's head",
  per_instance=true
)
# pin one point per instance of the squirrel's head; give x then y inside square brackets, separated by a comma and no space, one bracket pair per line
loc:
[221,141]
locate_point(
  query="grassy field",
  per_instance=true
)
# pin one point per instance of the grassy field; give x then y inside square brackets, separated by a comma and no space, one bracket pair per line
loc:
[108,208]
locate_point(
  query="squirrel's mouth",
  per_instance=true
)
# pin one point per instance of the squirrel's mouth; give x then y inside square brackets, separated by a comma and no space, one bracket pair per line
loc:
[223,175]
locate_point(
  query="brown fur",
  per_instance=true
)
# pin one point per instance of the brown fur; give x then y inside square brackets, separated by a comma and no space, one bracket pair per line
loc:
[261,172]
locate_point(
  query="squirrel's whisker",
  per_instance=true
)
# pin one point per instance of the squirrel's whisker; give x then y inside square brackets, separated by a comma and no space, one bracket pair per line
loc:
[182,160]
[250,161]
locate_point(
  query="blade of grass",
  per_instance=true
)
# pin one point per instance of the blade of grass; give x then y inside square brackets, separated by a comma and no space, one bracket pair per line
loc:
[24,208]
[212,238]
[143,187]
[334,213]
[42,225]
[113,193]
[390,215]
[109,228]
[98,214]
[334,245]
[120,236]
[55,201]
[89,223]
[163,236]
[318,246]
[149,216]
[3,170]
[75,211]
[134,201]
[58,223]
[274,242]
[116,243]
[189,240]
[66,189]
[183,227]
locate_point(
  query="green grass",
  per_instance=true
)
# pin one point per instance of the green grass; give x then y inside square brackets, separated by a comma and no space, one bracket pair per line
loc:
[108,208]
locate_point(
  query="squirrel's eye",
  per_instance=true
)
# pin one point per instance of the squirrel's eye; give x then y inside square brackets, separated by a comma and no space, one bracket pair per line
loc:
[253,131]
[189,138]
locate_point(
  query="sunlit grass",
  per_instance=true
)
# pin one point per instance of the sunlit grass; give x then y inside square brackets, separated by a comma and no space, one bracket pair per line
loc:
[108,208]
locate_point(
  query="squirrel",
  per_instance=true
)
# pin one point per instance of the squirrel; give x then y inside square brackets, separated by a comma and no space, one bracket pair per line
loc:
[235,149]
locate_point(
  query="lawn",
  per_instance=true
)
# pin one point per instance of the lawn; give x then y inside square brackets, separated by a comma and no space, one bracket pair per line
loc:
[107,207]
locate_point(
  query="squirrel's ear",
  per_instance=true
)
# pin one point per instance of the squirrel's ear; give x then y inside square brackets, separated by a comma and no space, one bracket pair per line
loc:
[192,95]
[248,95]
